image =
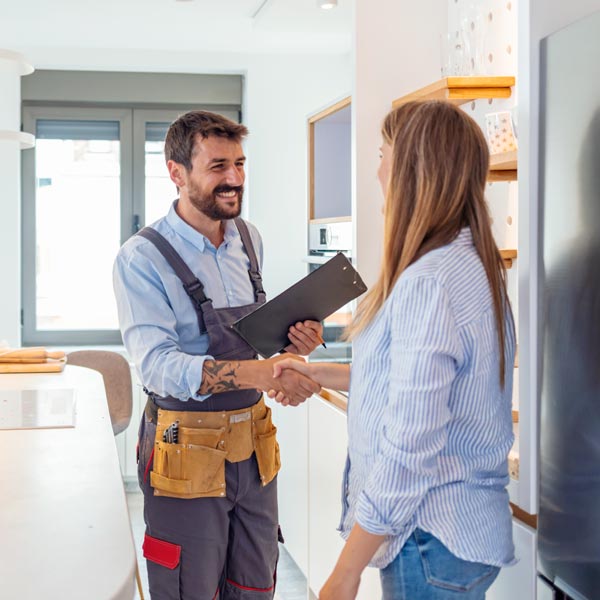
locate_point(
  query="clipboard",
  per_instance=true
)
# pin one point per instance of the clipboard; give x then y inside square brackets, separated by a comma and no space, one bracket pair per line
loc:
[313,298]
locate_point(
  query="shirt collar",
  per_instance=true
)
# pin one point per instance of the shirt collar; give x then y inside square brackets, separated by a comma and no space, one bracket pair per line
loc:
[188,233]
[464,237]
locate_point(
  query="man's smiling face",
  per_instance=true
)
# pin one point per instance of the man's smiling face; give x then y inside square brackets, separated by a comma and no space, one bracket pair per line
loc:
[215,184]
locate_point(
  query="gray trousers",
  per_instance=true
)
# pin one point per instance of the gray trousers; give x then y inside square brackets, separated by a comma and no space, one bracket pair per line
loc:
[227,548]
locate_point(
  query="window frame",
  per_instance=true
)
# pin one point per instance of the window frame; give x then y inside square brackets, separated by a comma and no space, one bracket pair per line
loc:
[31,335]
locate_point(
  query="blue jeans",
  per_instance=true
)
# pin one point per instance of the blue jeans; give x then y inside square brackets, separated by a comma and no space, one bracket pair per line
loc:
[426,569]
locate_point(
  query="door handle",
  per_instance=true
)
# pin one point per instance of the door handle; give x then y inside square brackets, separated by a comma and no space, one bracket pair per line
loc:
[136,224]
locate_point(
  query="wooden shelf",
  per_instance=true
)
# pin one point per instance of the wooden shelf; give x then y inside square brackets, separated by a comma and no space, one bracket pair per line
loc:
[460,90]
[503,167]
[331,220]
[508,256]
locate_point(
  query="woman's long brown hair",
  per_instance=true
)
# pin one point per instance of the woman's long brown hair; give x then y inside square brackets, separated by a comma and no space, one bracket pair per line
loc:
[437,180]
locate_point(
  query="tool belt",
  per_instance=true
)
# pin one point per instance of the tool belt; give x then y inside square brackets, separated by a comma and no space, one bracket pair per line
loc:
[191,447]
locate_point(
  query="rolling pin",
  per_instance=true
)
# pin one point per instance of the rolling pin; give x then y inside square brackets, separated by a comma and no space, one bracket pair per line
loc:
[29,355]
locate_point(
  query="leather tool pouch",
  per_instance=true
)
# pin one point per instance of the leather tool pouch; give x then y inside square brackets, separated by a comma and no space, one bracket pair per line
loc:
[266,447]
[194,466]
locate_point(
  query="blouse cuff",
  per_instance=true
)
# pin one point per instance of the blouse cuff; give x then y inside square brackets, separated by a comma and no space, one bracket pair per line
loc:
[371,520]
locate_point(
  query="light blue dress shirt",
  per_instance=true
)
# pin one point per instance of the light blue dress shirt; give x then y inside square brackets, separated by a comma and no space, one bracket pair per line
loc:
[429,426]
[156,316]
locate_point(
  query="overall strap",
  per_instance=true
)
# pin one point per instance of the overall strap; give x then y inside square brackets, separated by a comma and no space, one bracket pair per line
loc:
[191,284]
[254,270]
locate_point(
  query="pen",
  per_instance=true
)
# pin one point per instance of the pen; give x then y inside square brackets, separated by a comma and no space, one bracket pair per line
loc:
[322,341]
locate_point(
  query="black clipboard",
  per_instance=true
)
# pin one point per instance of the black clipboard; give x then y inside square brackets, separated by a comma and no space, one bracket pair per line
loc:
[314,298]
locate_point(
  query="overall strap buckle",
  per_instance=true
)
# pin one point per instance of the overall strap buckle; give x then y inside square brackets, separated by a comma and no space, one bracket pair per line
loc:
[195,290]
[256,279]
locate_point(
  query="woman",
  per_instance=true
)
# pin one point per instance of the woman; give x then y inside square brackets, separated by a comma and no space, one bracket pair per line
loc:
[429,416]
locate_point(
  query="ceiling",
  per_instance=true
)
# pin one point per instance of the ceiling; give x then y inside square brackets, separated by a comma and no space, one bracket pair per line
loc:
[191,25]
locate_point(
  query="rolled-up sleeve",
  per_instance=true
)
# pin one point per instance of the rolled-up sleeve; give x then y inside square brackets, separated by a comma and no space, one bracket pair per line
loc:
[149,331]
[424,354]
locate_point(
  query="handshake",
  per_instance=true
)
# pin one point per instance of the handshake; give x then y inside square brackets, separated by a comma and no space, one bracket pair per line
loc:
[288,379]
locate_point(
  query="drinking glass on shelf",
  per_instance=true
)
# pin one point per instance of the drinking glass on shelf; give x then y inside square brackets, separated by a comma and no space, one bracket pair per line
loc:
[454,54]
[501,132]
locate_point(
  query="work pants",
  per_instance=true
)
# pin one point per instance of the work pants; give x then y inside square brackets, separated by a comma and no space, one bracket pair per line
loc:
[210,548]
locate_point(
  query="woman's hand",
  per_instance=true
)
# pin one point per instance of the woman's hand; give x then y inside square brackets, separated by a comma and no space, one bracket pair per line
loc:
[339,587]
[357,552]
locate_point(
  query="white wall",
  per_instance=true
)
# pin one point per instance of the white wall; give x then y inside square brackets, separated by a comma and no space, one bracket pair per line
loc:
[281,92]
[11,68]
[396,50]
[10,245]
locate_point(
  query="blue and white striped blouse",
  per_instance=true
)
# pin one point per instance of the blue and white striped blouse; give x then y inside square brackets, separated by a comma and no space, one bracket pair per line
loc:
[429,425]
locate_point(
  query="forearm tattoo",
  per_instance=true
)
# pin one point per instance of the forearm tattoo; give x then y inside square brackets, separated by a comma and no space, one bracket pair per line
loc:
[219,376]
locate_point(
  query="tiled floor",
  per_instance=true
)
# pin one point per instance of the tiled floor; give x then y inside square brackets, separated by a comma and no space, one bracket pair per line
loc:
[291,583]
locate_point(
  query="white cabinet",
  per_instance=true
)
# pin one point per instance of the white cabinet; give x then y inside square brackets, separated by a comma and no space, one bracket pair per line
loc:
[327,443]
[292,481]
[519,581]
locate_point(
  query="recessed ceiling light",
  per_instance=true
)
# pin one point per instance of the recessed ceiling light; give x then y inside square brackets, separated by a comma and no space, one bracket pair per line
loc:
[327,4]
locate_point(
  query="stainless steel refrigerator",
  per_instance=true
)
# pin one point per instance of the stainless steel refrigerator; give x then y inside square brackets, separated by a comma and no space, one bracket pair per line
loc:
[569,511]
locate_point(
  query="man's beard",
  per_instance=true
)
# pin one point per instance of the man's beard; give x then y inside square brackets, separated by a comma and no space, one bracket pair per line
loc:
[208,204]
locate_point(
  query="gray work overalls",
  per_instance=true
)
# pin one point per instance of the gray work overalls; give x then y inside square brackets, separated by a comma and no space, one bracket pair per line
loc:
[209,548]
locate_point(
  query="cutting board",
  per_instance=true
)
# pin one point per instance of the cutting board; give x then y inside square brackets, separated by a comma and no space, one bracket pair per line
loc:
[51,366]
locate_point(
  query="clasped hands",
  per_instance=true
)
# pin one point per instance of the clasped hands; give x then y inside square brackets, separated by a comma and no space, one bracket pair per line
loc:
[288,382]
[291,382]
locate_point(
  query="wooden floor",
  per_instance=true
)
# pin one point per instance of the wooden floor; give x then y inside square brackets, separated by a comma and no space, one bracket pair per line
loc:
[291,583]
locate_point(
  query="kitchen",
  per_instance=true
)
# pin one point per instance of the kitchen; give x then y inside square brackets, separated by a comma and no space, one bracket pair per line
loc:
[359,55]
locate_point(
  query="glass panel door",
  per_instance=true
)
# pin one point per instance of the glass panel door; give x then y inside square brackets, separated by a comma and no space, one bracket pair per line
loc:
[77,207]
[73,225]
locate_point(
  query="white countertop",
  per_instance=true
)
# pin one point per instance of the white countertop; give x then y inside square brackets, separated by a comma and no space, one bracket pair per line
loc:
[64,525]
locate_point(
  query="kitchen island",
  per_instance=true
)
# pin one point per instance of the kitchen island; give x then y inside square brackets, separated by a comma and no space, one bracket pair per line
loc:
[63,520]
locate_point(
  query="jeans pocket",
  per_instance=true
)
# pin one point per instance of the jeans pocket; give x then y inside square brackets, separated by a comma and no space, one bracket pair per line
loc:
[445,570]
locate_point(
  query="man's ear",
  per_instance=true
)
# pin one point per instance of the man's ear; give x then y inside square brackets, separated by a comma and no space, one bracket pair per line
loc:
[177,173]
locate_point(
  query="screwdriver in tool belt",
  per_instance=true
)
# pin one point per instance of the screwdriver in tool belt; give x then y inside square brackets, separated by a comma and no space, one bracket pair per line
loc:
[170,435]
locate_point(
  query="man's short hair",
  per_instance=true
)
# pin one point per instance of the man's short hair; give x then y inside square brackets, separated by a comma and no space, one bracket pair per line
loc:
[179,142]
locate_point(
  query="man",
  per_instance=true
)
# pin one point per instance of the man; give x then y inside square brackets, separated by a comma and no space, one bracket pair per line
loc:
[208,457]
